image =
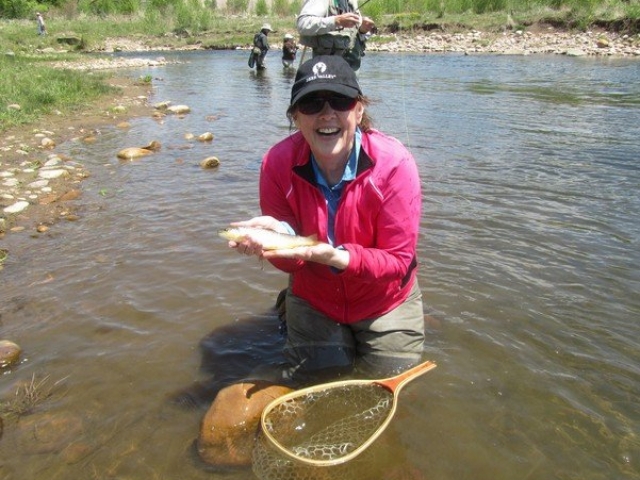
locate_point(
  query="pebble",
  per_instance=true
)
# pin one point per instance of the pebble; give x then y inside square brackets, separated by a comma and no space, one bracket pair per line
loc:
[205,137]
[210,162]
[50,174]
[523,43]
[16,207]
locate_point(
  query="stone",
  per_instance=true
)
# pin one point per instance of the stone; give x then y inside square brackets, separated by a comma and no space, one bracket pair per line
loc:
[205,137]
[210,162]
[53,173]
[69,40]
[136,152]
[575,52]
[178,109]
[9,353]
[70,195]
[228,428]
[46,142]
[48,432]
[16,207]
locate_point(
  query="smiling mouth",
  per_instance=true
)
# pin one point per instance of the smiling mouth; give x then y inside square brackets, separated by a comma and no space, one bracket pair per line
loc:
[328,131]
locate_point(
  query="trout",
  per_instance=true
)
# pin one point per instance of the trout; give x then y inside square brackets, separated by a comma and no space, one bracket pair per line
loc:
[270,239]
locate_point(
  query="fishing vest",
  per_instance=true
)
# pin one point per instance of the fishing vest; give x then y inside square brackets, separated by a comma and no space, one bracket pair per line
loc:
[338,40]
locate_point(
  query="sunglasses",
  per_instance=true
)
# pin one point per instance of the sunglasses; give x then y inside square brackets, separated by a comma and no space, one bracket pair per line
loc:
[312,104]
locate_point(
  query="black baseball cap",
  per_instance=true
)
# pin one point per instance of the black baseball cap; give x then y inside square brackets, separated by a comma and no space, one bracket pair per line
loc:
[329,73]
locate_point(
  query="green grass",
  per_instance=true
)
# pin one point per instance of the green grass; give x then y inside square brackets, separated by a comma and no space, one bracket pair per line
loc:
[41,90]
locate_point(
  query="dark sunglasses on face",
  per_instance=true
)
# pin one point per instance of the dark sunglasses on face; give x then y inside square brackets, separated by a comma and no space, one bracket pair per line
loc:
[312,104]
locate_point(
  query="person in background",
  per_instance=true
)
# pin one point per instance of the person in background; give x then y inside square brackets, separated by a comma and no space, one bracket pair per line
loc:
[334,27]
[261,42]
[42,28]
[289,49]
[353,300]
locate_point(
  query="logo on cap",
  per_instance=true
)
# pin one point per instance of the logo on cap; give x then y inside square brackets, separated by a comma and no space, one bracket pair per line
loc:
[319,68]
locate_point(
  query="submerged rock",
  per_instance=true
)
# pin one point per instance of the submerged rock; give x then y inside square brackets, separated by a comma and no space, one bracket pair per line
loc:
[137,152]
[228,429]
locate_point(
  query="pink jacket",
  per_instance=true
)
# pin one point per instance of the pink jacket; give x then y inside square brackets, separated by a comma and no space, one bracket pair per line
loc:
[377,221]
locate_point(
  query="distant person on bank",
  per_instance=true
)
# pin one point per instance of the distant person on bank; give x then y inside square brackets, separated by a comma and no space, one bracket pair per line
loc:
[42,28]
[334,27]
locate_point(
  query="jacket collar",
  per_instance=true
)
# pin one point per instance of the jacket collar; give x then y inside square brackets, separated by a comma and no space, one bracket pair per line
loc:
[305,170]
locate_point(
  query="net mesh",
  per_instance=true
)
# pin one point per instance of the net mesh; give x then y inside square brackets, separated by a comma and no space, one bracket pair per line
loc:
[329,424]
[269,463]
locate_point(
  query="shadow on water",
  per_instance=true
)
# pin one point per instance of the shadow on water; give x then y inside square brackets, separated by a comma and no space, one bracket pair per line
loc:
[231,353]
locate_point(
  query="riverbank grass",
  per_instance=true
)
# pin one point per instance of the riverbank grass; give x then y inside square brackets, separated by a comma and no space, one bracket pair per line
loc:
[30,89]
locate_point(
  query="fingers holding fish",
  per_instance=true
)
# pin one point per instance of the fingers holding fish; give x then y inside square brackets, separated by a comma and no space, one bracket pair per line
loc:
[246,246]
[264,222]
[319,253]
[254,237]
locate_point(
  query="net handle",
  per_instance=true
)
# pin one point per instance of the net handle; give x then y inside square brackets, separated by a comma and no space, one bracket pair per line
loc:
[396,383]
[393,384]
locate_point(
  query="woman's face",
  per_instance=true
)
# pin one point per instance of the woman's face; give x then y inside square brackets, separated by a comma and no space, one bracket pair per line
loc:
[328,122]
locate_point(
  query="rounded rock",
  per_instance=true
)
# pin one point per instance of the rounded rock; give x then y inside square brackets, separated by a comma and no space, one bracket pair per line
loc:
[16,207]
[210,162]
[229,427]
[178,109]
[205,137]
[9,353]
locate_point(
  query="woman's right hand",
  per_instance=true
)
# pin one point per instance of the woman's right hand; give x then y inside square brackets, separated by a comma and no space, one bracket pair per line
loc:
[250,247]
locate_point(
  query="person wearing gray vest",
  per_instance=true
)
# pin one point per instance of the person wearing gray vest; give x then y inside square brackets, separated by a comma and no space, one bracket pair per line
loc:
[334,27]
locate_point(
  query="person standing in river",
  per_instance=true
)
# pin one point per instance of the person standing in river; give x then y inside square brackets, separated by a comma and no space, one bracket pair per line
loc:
[334,27]
[261,43]
[289,50]
[353,299]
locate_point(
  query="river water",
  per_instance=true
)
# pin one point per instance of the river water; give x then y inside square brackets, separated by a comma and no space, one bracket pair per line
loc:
[529,266]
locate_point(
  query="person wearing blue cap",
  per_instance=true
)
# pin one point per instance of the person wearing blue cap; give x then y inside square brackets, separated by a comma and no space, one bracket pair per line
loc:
[353,299]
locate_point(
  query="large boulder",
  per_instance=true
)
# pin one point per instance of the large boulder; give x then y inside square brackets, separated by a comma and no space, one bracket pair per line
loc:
[228,429]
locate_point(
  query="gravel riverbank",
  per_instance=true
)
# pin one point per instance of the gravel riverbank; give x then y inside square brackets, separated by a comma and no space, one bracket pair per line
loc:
[38,187]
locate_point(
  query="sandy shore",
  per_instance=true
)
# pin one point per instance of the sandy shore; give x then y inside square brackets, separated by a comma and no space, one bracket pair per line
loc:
[39,187]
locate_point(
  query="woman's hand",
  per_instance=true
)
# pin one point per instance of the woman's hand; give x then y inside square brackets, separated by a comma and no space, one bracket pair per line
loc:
[322,253]
[250,246]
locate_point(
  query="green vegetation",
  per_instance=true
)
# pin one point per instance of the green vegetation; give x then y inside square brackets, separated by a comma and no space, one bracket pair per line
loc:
[27,397]
[30,89]
[82,26]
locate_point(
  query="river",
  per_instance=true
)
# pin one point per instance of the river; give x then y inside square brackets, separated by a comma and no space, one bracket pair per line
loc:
[529,267]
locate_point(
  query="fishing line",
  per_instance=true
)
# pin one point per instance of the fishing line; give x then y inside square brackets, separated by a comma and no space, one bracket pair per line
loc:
[404,100]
